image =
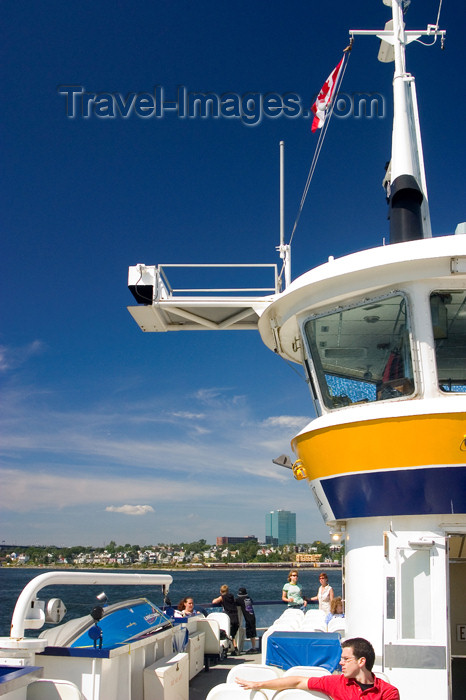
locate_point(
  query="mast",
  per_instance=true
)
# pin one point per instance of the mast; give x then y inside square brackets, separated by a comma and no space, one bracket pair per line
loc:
[407,194]
[405,180]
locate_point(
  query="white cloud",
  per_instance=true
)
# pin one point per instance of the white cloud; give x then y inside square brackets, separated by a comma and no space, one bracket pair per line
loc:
[3,359]
[13,357]
[209,395]
[290,422]
[130,510]
[187,415]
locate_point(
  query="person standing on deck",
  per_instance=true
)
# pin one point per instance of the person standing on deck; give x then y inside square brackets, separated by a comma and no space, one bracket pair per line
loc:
[292,591]
[227,600]
[325,594]
[245,603]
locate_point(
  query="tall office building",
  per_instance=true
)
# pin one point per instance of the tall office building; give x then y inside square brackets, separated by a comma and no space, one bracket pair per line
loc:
[280,527]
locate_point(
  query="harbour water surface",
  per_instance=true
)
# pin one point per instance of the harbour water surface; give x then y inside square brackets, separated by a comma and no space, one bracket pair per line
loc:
[203,585]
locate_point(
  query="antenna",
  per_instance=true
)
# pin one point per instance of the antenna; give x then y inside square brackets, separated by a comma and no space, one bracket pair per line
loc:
[282,193]
[284,250]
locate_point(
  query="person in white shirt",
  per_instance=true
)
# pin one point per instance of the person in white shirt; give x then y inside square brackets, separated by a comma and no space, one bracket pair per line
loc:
[325,594]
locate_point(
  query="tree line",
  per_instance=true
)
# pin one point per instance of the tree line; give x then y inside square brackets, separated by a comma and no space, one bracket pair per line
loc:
[162,554]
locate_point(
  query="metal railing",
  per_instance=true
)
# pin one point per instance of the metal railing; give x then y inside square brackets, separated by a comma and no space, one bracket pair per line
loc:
[191,290]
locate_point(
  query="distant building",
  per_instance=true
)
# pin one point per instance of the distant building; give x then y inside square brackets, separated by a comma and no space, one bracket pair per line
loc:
[280,527]
[310,558]
[221,541]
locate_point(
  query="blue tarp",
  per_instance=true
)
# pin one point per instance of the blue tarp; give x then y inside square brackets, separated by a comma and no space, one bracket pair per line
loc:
[286,649]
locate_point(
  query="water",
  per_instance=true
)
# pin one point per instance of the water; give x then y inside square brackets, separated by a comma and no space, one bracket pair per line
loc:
[203,585]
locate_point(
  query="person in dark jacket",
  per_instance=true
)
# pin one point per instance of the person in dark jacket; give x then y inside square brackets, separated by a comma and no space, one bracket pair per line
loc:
[245,603]
[227,601]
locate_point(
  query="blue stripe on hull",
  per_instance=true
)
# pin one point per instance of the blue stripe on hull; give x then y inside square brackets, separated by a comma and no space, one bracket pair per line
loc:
[397,492]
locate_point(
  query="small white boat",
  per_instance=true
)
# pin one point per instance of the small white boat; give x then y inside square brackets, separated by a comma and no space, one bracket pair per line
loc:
[125,651]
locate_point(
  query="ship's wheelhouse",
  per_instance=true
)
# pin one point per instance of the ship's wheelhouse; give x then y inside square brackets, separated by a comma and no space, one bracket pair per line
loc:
[382,337]
[369,350]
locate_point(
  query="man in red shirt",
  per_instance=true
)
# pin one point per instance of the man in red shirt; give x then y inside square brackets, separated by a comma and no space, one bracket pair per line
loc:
[356,680]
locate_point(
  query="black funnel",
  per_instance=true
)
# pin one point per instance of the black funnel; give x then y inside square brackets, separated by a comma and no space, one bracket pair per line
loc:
[405,210]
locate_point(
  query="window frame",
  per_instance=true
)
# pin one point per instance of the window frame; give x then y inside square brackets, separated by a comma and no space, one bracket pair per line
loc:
[447,290]
[316,370]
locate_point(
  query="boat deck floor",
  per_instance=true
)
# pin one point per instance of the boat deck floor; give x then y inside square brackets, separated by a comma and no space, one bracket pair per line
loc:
[201,684]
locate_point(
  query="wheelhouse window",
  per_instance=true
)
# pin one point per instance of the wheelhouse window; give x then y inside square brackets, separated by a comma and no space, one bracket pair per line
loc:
[362,353]
[448,311]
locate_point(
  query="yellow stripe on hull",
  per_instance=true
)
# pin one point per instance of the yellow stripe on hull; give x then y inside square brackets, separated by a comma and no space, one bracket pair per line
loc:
[386,443]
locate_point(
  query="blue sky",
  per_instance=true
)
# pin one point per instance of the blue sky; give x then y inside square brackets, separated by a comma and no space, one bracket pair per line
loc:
[109,433]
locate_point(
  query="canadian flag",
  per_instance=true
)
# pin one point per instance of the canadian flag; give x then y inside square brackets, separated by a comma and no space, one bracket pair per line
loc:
[324,98]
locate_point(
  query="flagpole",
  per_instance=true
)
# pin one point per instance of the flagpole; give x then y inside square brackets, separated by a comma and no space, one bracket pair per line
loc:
[282,193]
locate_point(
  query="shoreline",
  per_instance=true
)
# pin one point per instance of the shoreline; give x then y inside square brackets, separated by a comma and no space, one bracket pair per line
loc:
[221,567]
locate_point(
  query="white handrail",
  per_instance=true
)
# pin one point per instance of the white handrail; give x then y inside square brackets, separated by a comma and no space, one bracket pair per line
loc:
[58,578]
